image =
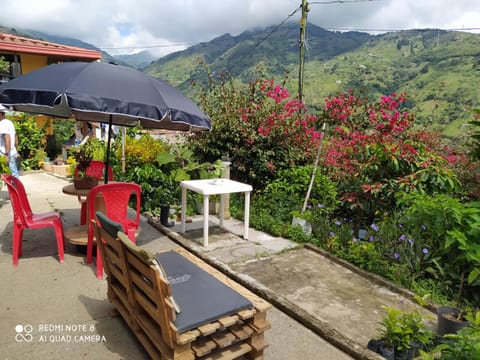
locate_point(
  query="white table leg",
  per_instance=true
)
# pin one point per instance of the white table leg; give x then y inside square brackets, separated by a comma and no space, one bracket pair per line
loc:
[246,215]
[222,209]
[184,207]
[206,210]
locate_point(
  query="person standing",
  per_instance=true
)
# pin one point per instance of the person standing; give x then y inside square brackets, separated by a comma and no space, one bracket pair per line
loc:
[8,141]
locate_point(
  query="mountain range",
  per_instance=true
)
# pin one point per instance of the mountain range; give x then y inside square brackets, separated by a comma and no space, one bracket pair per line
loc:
[438,70]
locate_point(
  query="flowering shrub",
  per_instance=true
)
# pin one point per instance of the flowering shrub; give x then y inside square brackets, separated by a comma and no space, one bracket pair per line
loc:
[374,154]
[141,150]
[260,128]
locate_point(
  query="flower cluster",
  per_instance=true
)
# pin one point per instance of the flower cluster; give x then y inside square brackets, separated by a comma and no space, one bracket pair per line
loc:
[373,154]
[260,127]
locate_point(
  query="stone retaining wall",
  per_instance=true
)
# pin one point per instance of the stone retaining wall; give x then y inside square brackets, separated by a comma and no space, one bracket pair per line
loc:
[61,170]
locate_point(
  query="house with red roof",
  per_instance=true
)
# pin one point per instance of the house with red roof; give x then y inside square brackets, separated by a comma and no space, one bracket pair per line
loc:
[25,54]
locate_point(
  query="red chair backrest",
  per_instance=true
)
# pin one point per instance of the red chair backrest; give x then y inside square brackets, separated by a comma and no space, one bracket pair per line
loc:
[116,197]
[18,197]
[97,169]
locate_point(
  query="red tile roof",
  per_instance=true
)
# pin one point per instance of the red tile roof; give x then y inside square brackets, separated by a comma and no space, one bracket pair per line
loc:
[18,44]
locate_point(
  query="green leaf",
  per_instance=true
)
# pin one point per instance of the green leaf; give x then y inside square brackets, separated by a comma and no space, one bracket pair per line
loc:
[473,276]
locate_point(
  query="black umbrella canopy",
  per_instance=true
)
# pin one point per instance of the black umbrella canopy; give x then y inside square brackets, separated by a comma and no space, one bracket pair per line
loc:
[103,92]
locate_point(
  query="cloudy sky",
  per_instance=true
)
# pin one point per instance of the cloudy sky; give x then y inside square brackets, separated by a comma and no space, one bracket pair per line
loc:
[161,26]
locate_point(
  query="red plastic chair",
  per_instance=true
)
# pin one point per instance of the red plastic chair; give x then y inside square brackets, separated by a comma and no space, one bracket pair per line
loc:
[97,170]
[24,218]
[116,197]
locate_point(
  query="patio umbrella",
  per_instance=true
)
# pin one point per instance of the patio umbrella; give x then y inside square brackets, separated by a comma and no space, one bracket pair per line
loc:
[103,92]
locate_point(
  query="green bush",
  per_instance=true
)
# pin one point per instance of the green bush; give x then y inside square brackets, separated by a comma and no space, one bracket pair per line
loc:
[286,194]
[159,167]
[450,231]
[62,132]
[31,142]
[4,165]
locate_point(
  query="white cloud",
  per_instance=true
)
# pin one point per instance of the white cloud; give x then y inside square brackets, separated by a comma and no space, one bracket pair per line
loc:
[131,25]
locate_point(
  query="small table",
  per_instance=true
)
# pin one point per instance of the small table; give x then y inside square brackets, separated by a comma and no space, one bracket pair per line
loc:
[207,187]
[70,189]
[78,235]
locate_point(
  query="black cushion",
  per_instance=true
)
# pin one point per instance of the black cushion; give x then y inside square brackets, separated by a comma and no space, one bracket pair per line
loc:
[201,297]
[108,224]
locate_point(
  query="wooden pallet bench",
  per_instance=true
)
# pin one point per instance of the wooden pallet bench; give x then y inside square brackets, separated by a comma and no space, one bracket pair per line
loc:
[153,308]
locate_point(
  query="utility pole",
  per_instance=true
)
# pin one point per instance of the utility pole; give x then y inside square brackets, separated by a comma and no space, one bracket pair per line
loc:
[303,28]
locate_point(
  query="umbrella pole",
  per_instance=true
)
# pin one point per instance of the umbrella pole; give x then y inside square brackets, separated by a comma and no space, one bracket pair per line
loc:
[107,160]
[124,134]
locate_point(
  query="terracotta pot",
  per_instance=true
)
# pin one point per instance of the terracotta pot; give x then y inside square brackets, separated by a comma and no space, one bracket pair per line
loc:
[86,182]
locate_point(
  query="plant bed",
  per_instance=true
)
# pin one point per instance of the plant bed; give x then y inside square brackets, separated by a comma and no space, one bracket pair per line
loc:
[389,352]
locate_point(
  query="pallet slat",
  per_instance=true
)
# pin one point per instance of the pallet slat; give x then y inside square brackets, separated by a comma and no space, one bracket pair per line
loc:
[142,295]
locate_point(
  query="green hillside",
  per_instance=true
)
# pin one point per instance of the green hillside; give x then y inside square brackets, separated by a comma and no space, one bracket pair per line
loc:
[439,70]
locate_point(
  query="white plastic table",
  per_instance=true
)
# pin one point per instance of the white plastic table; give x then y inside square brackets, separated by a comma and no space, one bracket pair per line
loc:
[207,187]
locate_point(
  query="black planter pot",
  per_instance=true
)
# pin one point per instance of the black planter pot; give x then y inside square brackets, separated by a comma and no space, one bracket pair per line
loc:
[380,348]
[391,353]
[407,354]
[447,322]
[164,212]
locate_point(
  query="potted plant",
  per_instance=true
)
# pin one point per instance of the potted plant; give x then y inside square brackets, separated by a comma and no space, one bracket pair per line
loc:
[402,334]
[450,320]
[465,344]
[172,171]
[167,195]
[83,155]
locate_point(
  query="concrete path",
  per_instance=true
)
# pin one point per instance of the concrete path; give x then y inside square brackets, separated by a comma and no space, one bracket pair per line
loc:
[64,311]
[52,311]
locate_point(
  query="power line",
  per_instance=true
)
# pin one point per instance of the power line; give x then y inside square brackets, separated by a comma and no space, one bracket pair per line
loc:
[188,44]
[270,33]
[276,28]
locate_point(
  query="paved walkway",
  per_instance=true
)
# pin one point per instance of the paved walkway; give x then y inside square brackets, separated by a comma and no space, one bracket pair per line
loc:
[312,294]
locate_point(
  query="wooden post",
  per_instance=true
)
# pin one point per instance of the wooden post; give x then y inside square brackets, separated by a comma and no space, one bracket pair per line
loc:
[303,27]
